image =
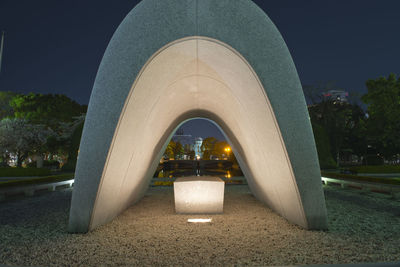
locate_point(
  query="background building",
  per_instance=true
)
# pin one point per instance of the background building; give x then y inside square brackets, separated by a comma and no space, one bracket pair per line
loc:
[335,96]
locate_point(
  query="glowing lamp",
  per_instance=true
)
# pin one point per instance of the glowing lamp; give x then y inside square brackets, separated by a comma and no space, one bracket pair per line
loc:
[199,220]
[199,194]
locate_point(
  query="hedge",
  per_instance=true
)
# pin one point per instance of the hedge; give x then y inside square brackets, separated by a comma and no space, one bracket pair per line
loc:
[376,169]
[393,181]
[38,180]
[46,163]
[20,172]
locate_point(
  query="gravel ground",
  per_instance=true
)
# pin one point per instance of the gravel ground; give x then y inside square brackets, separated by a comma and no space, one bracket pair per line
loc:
[363,227]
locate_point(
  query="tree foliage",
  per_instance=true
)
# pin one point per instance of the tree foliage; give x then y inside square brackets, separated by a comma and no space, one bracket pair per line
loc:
[219,150]
[6,109]
[342,125]
[46,109]
[383,124]
[55,114]
[208,147]
[70,142]
[169,151]
[174,150]
[371,135]
[178,150]
[322,143]
[211,147]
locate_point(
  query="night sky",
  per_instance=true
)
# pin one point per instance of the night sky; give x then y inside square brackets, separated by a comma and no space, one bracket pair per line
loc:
[55,46]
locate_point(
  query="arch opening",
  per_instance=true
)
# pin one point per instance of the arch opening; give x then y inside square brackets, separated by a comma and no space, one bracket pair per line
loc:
[199,147]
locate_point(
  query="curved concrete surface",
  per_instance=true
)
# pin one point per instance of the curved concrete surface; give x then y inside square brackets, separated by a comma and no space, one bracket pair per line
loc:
[153,78]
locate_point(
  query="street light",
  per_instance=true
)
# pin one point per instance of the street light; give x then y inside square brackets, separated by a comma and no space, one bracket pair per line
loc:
[227,150]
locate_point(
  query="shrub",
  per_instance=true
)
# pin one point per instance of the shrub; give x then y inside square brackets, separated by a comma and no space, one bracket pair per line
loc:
[4,165]
[31,164]
[51,164]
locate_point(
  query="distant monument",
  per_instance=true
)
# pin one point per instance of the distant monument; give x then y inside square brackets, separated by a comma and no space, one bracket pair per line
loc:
[197,148]
[173,60]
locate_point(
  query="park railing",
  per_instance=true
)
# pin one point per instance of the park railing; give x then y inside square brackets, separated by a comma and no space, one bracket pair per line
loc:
[31,189]
[391,189]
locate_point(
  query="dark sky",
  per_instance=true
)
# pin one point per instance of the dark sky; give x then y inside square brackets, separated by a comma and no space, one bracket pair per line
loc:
[55,46]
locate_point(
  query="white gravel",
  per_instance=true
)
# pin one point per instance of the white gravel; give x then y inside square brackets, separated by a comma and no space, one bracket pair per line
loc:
[363,227]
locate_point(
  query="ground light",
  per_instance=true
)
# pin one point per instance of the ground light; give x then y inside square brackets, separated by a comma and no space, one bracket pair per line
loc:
[199,220]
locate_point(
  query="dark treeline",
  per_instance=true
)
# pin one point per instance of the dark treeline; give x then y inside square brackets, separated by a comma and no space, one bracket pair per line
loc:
[37,129]
[345,133]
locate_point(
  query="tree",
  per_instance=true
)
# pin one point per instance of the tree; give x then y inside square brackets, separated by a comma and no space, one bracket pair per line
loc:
[178,150]
[342,125]
[169,151]
[174,150]
[383,124]
[58,113]
[355,134]
[5,108]
[208,147]
[66,146]
[219,149]
[47,109]
[20,138]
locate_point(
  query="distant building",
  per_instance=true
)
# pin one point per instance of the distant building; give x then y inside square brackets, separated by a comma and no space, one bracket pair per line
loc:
[335,96]
[183,138]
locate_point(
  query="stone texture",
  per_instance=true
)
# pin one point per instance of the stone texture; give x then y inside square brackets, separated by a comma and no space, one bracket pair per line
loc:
[199,194]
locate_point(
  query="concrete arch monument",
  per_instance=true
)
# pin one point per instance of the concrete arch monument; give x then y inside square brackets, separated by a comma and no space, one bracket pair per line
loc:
[170,61]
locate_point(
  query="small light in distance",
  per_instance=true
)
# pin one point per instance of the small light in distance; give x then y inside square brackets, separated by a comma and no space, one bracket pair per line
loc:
[199,220]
